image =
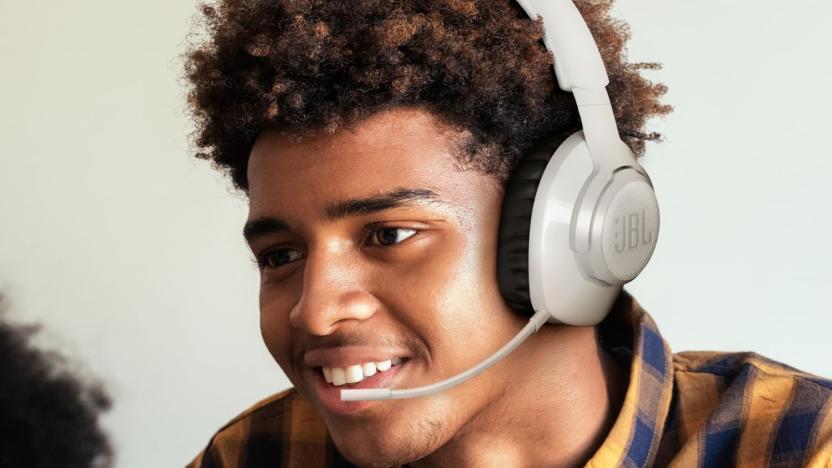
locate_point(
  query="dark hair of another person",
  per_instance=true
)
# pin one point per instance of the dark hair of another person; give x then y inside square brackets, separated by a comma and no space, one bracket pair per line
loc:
[48,415]
[480,66]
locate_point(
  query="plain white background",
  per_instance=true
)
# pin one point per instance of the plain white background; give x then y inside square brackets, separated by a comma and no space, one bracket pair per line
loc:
[129,251]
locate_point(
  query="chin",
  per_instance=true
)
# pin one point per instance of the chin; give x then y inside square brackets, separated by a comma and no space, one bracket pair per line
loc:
[378,446]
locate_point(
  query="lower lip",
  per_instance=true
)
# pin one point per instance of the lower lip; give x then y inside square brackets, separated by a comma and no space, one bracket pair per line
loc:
[330,395]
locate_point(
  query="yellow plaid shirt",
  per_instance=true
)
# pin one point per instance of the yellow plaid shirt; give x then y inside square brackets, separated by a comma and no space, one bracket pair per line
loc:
[690,409]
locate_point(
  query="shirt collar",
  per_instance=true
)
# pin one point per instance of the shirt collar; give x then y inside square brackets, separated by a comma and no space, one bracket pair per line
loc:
[630,334]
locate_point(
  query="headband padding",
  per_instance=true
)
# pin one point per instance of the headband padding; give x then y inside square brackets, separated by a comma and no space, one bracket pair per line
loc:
[515,220]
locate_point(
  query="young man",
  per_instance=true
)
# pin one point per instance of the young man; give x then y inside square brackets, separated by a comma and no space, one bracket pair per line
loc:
[374,140]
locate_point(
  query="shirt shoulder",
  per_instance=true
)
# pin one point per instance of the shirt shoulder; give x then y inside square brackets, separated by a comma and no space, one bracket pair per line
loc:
[281,430]
[743,408]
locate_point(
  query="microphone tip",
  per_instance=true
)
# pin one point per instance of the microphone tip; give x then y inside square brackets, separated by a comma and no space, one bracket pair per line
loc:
[362,394]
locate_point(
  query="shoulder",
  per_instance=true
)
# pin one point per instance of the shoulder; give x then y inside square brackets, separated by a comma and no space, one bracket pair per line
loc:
[746,407]
[751,377]
[277,431]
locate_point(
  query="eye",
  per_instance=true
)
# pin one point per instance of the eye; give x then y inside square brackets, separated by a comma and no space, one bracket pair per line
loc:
[276,258]
[390,236]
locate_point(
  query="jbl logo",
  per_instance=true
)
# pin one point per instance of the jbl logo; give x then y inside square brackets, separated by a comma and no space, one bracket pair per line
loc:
[630,231]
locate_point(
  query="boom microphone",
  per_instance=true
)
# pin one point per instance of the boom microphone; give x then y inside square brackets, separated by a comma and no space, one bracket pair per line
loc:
[363,394]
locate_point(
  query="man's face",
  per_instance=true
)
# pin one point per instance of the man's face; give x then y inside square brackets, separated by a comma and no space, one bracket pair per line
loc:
[375,246]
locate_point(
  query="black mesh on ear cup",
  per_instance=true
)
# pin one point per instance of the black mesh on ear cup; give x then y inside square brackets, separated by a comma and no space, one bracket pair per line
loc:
[515,219]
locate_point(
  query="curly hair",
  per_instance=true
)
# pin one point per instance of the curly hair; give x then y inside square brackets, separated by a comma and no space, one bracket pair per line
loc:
[48,416]
[480,66]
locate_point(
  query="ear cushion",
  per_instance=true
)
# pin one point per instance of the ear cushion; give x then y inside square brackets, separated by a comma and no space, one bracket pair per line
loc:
[515,221]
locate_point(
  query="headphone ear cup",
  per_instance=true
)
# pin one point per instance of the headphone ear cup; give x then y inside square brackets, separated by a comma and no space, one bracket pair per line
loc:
[515,221]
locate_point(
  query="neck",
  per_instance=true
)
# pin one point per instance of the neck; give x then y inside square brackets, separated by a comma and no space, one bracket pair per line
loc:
[559,402]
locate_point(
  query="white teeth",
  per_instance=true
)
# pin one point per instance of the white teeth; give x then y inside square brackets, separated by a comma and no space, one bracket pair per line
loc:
[356,373]
[339,376]
[369,369]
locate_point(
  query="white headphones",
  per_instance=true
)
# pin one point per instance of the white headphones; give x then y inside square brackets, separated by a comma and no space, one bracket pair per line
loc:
[593,221]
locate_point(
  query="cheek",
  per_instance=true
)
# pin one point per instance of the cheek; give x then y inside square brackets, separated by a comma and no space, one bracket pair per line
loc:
[446,294]
[473,319]
[275,329]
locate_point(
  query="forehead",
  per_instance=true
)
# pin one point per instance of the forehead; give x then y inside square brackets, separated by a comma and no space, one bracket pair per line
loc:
[401,148]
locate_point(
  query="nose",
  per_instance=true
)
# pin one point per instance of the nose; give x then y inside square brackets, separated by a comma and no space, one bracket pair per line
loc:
[333,294]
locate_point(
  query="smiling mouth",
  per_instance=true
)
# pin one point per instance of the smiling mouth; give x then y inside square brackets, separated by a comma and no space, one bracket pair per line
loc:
[354,374]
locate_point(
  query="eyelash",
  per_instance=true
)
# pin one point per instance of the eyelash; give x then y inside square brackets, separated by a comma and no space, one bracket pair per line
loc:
[262,261]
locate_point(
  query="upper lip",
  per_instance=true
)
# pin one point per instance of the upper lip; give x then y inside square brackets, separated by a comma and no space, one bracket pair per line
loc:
[344,356]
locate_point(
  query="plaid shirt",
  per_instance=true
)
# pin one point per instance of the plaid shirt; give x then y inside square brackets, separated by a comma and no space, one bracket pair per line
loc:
[689,409]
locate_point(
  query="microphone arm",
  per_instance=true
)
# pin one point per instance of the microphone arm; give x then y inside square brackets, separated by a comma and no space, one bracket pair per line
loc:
[538,319]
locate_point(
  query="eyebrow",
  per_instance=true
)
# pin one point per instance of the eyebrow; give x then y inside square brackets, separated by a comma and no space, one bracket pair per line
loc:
[259,227]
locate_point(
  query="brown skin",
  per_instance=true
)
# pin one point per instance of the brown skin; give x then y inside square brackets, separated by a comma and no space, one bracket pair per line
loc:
[435,294]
